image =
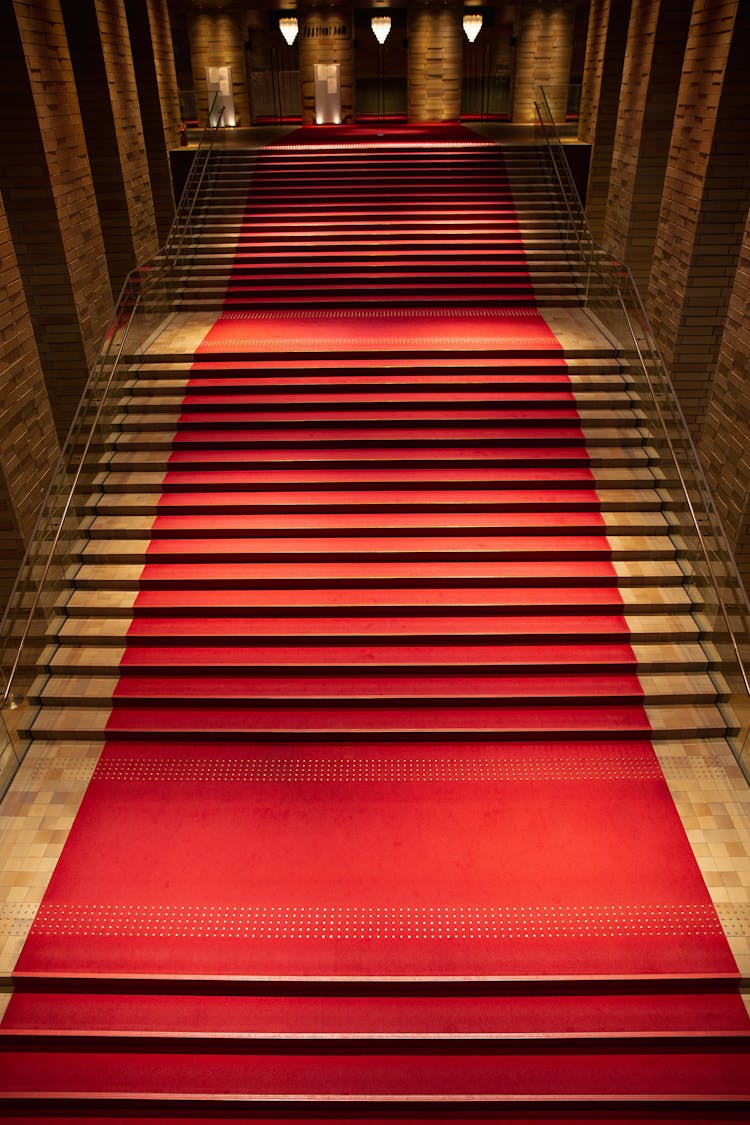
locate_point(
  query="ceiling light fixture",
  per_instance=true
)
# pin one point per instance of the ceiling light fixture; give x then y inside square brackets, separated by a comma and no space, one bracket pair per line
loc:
[472,25]
[380,25]
[289,27]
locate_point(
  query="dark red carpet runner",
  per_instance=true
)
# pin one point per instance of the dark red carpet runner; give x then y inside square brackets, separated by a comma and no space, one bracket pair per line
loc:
[378,718]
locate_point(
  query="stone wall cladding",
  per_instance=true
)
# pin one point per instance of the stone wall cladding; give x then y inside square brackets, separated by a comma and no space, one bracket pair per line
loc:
[705,202]
[103,66]
[435,63]
[156,78]
[123,94]
[593,68]
[725,449]
[46,181]
[326,36]
[651,79]
[543,53]
[29,446]
[217,38]
[610,58]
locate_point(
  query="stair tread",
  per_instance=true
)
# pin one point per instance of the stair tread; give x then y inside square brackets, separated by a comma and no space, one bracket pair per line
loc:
[517,688]
[83,602]
[90,656]
[209,520]
[666,626]
[606,720]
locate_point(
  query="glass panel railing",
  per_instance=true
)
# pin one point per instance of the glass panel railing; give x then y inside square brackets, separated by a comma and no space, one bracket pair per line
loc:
[35,610]
[711,578]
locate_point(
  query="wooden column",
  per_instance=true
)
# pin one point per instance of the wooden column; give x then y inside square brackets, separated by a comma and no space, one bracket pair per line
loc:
[434,62]
[325,37]
[600,98]
[29,447]
[99,43]
[705,201]
[217,38]
[158,97]
[543,52]
[46,183]
[725,449]
[651,79]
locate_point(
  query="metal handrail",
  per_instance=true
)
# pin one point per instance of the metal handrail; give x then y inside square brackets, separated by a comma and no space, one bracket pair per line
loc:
[611,270]
[66,509]
[143,280]
[190,192]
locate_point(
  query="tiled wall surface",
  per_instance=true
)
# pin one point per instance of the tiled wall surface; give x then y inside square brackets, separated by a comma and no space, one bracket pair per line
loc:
[675,206]
[217,38]
[435,59]
[156,82]
[77,213]
[543,50]
[657,36]
[326,37]
[726,435]
[604,68]
[45,178]
[29,445]
[705,201]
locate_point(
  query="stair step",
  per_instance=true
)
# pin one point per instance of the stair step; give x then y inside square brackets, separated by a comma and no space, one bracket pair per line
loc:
[136,432]
[241,549]
[709,1071]
[586,574]
[208,521]
[315,459]
[547,629]
[97,657]
[408,720]
[381,690]
[204,400]
[294,503]
[496,486]
[564,1010]
[521,599]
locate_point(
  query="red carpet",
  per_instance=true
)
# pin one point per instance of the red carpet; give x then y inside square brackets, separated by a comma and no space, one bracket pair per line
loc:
[408,853]
[365,133]
[379,764]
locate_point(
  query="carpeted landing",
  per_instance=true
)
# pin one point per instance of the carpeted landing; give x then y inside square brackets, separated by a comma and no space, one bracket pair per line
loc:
[381,636]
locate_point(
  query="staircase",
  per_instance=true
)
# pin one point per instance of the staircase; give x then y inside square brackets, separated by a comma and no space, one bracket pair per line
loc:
[385,620]
[461,226]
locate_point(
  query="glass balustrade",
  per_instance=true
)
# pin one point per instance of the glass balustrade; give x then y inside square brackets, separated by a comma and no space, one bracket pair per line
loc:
[36,607]
[611,300]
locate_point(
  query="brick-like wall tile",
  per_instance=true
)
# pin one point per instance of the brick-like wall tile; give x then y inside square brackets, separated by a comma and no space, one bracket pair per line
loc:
[543,53]
[45,178]
[435,61]
[600,99]
[593,68]
[29,447]
[326,36]
[654,56]
[158,97]
[99,43]
[217,38]
[705,201]
[725,449]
